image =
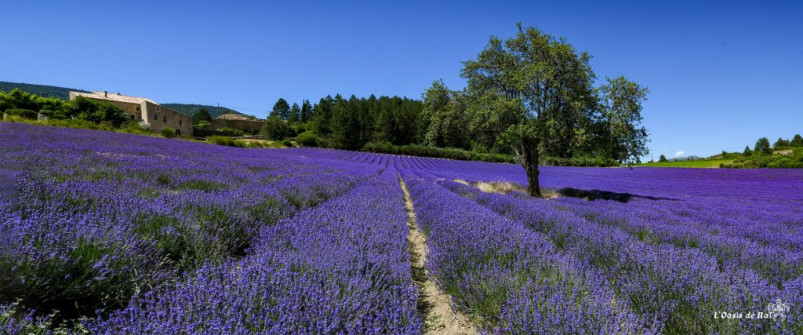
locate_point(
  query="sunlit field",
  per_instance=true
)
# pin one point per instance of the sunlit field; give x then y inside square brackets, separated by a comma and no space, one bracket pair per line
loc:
[117,233]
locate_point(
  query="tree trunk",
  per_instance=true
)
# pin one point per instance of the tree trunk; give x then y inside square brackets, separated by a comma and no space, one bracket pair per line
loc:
[528,158]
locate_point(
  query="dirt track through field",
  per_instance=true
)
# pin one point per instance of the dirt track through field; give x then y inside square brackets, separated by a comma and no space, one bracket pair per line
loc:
[434,305]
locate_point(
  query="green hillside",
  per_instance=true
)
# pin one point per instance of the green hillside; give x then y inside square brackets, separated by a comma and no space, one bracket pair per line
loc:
[40,90]
[64,94]
[700,163]
[191,109]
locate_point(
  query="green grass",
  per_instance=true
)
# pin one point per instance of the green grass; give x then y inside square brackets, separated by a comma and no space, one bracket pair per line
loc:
[714,163]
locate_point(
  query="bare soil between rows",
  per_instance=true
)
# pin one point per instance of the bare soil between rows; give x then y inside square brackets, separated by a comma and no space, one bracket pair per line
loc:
[434,305]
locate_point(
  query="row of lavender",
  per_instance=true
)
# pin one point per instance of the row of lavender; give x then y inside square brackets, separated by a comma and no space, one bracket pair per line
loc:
[341,267]
[511,279]
[93,219]
[761,205]
[674,262]
[763,235]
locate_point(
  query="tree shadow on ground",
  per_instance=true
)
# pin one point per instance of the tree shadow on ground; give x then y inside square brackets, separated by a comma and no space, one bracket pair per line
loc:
[604,195]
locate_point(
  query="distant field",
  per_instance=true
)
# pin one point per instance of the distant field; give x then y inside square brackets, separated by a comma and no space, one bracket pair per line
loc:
[690,164]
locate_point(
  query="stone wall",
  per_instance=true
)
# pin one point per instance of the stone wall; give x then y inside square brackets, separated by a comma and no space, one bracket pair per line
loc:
[160,117]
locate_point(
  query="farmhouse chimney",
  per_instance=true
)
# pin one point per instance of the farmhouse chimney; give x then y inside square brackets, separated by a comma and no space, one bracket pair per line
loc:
[105,94]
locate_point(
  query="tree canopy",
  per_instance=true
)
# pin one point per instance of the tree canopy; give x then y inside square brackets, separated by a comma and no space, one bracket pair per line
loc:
[79,108]
[797,141]
[763,146]
[534,93]
[281,109]
[201,115]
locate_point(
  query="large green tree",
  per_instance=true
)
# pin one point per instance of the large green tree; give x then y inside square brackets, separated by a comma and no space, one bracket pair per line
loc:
[201,115]
[398,120]
[323,115]
[780,143]
[346,124]
[797,141]
[294,115]
[306,111]
[96,111]
[445,112]
[622,137]
[275,128]
[762,146]
[281,109]
[534,93]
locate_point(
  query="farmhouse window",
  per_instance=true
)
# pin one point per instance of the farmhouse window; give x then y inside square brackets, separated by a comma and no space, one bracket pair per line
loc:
[164,118]
[156,116]
[179,122]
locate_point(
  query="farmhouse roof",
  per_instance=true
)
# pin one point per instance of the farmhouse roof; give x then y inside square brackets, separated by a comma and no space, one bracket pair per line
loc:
[234,116]
[113,97]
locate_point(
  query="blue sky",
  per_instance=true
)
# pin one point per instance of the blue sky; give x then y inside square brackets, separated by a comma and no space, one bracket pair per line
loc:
[721,74]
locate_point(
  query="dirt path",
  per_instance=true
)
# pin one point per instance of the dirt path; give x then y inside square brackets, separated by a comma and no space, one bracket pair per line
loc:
[433,304]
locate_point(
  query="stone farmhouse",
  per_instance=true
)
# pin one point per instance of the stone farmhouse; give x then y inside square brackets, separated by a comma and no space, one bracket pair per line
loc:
[238,121]
[142,109]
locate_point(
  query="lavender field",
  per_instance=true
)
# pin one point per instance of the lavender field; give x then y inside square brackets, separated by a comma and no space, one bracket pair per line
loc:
[127,234]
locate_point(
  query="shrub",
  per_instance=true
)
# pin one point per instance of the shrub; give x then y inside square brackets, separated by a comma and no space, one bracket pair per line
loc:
[299,128]
[579,161]
[230,131]
[17,99]
[227,141]
[53,114]
[425,151]
[275,129]
[265,144]
[286,142]
[202,124]
[86,109]
[168,132]
[23,113]
[144,126]
[308,139]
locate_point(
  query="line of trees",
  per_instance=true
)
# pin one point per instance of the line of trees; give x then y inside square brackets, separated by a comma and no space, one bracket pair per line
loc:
[763,147]
[784,153]
[23,104]
[347,123]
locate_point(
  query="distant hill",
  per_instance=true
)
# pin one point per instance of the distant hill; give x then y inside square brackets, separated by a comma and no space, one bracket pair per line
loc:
[685,158]
[191,109]
[64,94]
[40,90]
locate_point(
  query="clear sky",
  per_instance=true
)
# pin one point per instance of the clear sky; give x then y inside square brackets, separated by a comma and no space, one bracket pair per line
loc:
[721,74]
